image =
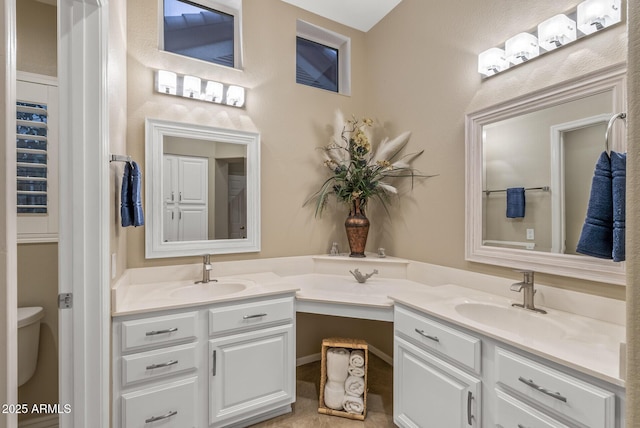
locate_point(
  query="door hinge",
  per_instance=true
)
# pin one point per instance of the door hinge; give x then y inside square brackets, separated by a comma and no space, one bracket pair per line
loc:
[65,300]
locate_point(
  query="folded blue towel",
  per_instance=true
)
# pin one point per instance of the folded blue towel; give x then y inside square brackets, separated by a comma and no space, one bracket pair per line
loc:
[131,196]
[126,211]
[515,202]
[619,187]
[136,195]
[596,238]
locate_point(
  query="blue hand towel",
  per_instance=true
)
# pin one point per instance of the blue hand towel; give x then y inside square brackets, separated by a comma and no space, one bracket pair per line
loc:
[619,187]
[596,238]
[515,202]
[136,195]
[126,211]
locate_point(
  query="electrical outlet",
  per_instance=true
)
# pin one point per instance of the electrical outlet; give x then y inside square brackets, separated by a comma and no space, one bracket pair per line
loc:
[530,234]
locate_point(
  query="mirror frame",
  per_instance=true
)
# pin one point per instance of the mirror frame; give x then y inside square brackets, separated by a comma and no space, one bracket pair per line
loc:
[577,266]
[155,131]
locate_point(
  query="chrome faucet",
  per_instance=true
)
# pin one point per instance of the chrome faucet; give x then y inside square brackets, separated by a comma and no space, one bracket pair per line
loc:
[207,267]
[526,287]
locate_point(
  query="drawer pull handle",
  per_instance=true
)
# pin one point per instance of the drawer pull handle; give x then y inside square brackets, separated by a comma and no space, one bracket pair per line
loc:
[469,415]
[521,426]
[248,317]
[423,334]
[156,332]
[159,418]
[537,387]
[160,365]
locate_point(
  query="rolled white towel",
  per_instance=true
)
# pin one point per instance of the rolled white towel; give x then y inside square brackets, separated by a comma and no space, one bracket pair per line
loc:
[356,371]
[354,385]
[353,405]
[337,364]
[356,359]
[334,395]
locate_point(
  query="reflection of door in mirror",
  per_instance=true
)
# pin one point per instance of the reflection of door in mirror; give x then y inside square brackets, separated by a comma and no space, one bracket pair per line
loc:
[231,198]
[554,148]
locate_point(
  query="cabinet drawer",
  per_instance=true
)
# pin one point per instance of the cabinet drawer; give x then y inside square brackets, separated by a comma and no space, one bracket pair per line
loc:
[511,412]
[158,330]
[250,315]
[172,405]
[567,395]
[159,363]
[456,345]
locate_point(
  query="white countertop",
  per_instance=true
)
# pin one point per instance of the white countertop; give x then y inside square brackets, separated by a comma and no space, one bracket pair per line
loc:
[588,345]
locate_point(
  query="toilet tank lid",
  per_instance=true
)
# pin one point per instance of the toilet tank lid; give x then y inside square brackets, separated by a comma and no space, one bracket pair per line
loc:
[29,315]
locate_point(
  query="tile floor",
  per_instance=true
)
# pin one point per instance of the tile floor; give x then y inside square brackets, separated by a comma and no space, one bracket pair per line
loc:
[305,409]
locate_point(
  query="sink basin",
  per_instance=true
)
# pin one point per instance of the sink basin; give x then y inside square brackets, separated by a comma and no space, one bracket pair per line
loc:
[208,290]
[515,320]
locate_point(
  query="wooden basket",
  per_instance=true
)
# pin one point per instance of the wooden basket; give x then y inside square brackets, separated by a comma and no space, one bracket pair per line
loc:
[350,345]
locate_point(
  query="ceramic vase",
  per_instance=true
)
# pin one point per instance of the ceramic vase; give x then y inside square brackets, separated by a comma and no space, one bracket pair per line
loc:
[357,227]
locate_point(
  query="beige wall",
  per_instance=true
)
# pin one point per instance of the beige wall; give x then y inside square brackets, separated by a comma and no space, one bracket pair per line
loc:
[633,219]
[37,37]
[422,76]
[37,53]
[292,119]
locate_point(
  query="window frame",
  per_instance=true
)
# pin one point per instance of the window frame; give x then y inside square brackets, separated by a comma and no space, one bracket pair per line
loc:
[42,228]
[332,40]
[229,7]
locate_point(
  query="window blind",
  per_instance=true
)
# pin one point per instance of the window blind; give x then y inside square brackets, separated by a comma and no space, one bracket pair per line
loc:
[31,147]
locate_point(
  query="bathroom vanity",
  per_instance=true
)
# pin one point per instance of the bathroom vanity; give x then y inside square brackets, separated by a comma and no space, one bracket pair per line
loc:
[223,354]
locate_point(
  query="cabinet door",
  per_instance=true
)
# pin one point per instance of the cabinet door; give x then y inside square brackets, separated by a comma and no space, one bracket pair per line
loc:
[170,223]
[192,223]
[250,373]
[194,173]
[430,393]
[170,179]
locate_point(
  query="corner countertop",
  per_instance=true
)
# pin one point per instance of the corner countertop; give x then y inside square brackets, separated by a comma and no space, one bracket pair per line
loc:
[587,345]
[584,344]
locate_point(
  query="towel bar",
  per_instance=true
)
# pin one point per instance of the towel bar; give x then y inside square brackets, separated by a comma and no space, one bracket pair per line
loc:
[120,158]
[543,188]
[622,116]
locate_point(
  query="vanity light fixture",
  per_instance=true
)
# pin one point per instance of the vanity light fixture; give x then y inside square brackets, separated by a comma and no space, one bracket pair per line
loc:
[235,96]
[166,82]
[492,61]
[594,15]
[556,31]
[586,18]
[170,83]
[521,47]
[191,87]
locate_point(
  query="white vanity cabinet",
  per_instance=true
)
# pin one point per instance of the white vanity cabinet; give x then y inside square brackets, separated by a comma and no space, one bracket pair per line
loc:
[251,360]
[436,368]
[440,370]
[156,371]
[227,364]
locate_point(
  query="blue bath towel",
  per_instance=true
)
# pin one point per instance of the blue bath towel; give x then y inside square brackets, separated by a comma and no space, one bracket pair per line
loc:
[596,238]
[619,187]
[131,196]
[515,202]
[126,210]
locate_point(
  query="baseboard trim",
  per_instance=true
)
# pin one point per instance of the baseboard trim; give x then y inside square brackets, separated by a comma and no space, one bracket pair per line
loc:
[50,421]
[317,357]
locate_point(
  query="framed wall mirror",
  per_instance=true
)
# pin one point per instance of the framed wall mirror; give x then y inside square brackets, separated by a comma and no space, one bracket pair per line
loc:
[202,190]
[547,143]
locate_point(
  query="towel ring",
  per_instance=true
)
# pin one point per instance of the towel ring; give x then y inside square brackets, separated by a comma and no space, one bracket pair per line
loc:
[622,116]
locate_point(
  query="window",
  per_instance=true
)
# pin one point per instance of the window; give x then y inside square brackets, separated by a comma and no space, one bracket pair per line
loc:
[37,159]
[323,58]
[208,31]
[316,65]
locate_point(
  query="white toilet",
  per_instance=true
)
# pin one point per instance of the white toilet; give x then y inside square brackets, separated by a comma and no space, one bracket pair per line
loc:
[28,341]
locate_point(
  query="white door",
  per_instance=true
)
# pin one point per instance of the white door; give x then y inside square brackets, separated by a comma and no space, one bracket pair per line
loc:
[429,393]
[170,224]
[250,373]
